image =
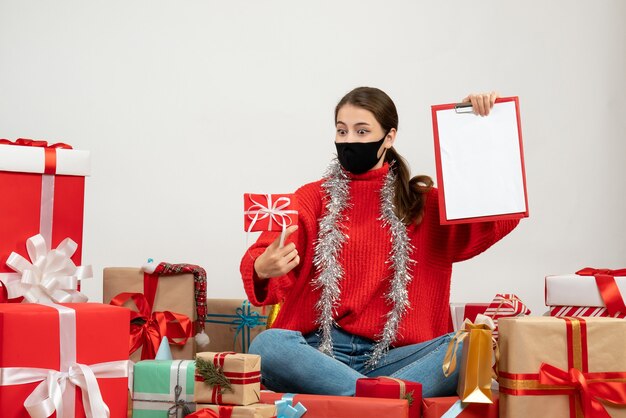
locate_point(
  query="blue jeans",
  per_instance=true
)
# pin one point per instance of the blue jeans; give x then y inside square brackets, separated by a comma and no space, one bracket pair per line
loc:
[290,362]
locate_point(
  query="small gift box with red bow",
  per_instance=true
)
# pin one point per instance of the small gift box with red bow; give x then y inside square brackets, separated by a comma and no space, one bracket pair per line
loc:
[227,378]
[589,292]
[269,212]
[48,352]
[167,299]
[45,185]
[562,367]
[389,387]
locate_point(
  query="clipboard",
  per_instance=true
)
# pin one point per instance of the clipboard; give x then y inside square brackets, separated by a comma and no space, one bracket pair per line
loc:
[480,163]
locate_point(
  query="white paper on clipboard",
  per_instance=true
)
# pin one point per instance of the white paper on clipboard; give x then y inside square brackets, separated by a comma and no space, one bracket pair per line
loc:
[480,163]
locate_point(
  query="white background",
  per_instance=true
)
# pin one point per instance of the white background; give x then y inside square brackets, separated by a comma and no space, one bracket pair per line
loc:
[186,105]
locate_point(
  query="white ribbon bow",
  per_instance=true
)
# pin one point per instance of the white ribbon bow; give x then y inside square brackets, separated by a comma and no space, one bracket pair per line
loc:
[48,395]
[50,277]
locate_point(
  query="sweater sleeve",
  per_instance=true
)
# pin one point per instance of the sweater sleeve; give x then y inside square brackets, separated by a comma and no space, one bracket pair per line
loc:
[274,290]
[461,242]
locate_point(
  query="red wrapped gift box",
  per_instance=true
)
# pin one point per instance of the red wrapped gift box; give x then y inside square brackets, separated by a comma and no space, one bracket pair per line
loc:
[323,406]
[462,311]
[437,407]
[44,190]
[387,387]
[269,212]
[31,344]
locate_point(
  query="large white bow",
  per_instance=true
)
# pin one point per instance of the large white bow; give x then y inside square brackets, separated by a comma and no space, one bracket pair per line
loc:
[47,396]
[49,277]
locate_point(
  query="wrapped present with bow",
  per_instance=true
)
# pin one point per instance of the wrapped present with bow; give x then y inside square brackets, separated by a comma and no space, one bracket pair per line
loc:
[562,367]
[46,276]
[174,296]
[227,378]
[232,324]
[588,292]
[71,359]
[452,407]
[505,305]
[390,387]
[290,405]
[163,388]
[257,410]
[45,185]
[269,212]
[477,360]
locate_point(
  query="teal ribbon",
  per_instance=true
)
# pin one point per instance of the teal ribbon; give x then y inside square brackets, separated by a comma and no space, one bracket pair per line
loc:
[454,410]
[242,321]
[285,408]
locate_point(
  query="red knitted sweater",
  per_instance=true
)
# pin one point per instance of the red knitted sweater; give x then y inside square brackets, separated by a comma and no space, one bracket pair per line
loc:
[364,258]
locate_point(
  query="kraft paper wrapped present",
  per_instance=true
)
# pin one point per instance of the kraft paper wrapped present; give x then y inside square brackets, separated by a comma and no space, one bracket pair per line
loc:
[257,410]
[477,359]
[232,324]
[163,388]
[451,407]
[227,378]
[88,341]
[45,184]
[589,287]
[324,406]
[171,293]
[392,388]
[562,367]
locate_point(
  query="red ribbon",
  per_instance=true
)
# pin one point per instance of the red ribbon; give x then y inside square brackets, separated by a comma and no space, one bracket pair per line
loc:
[50,165]
[204,413]
[155,325]
[605,280]
[590,391]
[4,295]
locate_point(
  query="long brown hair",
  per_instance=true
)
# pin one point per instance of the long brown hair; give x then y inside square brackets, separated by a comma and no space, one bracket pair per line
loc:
[410,192]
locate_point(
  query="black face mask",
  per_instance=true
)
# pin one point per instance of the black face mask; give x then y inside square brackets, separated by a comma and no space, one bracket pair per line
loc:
[358,157]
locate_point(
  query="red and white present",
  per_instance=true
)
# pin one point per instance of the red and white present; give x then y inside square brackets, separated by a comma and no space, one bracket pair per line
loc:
[70,358]
[43,188]
[578,311]
[269,212]
[459,312]
[505,305]
[588,288]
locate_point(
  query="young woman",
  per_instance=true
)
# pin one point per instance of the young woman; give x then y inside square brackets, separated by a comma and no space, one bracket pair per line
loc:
[364,278]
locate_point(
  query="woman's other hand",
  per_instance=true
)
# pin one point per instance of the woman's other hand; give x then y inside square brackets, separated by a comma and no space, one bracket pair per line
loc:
[276,261]
[482,103]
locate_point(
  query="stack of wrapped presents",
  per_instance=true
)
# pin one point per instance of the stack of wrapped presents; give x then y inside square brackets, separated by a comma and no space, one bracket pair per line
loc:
[157,347]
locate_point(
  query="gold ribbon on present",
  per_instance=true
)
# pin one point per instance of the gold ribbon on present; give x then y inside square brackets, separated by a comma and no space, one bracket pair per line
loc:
[588,392]
[480,350]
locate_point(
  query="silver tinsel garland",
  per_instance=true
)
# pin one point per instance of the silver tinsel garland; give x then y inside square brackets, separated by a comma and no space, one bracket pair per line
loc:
[330,240]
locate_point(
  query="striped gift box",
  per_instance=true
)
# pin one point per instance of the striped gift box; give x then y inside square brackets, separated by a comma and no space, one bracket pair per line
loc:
[589,311]
[505,305]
